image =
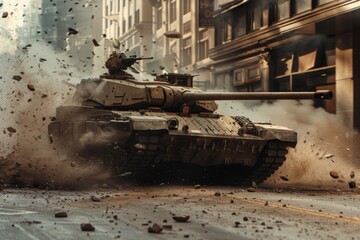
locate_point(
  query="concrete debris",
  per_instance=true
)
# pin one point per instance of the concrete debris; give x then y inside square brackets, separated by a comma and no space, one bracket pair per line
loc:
[352,184]
[251,189]
[31,87]
[87,227]
[155,228]
[5,14]
[218,194]
[17,77]
[96,44]
[73,164]
[167,227]
[181,218]
[284,178]
[197,186]
[334,174]
[95,199]
[11,130]
[329,155]
[352,174]
[72,31]
[61,215]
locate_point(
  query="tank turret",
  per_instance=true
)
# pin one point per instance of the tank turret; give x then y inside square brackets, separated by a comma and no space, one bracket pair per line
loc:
[146,127]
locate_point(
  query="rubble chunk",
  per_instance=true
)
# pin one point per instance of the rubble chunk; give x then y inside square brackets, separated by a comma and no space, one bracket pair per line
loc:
[5,14]
[179,218]
[155,228]
[17,77]
[352,184]
[197,186]
[218,194]
[11,130]
[31,87]
[87,227]
[329,155]
[352,174]
[334,174]
[284,178]
[61,215]
[251,189]
[95,199]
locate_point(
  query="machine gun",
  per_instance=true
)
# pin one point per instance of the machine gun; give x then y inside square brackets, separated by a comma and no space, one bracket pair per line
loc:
[118,62]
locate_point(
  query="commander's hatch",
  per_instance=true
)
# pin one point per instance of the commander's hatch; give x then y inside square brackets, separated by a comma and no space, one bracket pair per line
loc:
[176,79]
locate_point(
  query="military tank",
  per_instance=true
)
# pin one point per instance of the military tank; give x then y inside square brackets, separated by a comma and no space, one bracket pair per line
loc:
[135,126]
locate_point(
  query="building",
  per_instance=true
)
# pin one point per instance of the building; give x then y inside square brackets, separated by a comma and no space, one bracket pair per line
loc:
[291,45]
[167,30]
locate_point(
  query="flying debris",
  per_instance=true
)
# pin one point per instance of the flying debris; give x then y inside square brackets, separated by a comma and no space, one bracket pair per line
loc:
[96,44]
[5,15]
[72,31]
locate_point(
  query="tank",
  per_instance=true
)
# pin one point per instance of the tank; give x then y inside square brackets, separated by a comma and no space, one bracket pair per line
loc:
[167,127]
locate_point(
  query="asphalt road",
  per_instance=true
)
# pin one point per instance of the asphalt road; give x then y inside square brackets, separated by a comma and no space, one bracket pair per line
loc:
[127,212]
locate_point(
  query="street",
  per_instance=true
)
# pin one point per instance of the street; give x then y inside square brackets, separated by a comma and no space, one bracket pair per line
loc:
[215,212]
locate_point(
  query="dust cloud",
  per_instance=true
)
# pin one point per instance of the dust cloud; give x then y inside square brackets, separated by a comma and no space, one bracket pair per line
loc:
[31,87]
[324,143]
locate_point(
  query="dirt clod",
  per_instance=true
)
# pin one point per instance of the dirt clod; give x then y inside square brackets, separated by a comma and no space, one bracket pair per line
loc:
[218,194]
[95,199]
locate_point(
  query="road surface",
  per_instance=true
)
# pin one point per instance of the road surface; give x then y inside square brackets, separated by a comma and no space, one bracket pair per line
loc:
[215,213]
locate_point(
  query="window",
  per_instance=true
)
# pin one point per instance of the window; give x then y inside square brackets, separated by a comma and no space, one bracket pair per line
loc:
[130,22]
[254,73]
[283,9]
[256,16]
[227,29]
[187,51]
[324,1]
[118,5]
[123,26]
[124,1]
[187,6]
[240,23]
[302,5]
[159,17]
[239,77]
[172,11]
[187,27]
[137,16]
[203,45]
[111,7]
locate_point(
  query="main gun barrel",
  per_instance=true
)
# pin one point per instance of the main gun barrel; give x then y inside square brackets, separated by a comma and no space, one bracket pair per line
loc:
[192,96]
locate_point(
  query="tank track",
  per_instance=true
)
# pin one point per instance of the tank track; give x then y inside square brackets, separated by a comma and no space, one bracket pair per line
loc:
[140,154]
[273,156]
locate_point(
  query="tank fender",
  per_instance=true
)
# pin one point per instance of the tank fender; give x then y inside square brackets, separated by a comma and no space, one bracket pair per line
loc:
[148,123]
[273,132]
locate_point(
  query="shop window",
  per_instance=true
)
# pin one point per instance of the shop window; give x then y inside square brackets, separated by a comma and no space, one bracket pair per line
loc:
[302,5]
[246,75]
[239,77]
[172,11]
[227,29]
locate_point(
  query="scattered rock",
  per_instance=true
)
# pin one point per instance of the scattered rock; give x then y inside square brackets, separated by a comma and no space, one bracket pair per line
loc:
[72,31]
[73,164]
[95,199]
[31,87]
[167,227]
[5,14]
[334,174]
[17,77]
[11,130]
[96,44]
[197,186]
[231,201]
[218,194]
[251,189]
[42,60]
[352,184]
[181,218]
[245,219]
[284,178]
[329,155]
[155,228]
[61,215]
[87,227]
[352,174]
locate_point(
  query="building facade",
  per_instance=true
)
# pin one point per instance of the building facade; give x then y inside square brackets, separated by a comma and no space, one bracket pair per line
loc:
[291,45]
[167,30]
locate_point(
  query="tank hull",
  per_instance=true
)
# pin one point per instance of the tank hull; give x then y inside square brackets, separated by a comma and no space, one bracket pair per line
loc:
[136,141]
